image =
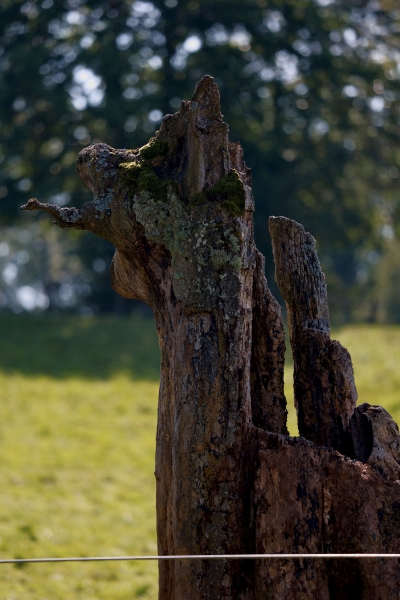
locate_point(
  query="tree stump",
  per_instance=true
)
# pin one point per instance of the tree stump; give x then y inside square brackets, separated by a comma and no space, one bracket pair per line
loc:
[229,478]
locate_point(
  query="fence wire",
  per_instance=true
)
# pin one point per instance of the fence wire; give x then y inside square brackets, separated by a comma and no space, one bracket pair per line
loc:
[6,561]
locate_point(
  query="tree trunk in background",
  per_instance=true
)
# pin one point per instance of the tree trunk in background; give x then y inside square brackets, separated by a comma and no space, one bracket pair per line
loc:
[229,478]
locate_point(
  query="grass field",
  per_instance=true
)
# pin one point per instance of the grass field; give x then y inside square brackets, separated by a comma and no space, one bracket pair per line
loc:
[77,429]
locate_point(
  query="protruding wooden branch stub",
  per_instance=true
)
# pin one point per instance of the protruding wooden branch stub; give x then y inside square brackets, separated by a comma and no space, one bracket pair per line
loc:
[229,478]
[64,217]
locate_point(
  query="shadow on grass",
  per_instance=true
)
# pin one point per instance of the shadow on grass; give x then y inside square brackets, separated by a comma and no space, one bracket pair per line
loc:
[70,346]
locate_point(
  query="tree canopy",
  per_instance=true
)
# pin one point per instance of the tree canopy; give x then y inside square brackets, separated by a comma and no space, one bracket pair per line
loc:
[309,87]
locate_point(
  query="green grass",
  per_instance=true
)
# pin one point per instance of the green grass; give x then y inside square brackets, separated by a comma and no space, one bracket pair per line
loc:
[77,430]
[77,440]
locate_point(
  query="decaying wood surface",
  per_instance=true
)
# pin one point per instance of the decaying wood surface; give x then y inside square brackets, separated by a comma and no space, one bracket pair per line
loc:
[324,390]
[229,478]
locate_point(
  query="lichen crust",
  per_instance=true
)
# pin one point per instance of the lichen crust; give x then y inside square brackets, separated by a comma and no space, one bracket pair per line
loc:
[203,239]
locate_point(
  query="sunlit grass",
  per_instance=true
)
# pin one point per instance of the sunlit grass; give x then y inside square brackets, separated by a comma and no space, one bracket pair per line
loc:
[76,479]
[77,457]
[77,440]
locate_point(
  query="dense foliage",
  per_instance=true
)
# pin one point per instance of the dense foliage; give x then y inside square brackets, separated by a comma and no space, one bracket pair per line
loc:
[310,88]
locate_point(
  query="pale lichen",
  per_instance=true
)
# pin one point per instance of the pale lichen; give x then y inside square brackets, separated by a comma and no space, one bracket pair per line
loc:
[204,243]
[102,203]
[102,159]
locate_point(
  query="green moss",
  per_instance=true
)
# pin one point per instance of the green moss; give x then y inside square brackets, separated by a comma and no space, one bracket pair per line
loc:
[198,199]
[140,177]
[154,149]
[229,191]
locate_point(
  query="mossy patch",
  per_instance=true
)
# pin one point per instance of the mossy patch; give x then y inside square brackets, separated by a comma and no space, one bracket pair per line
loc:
[205,248]
[229,191]
[140,177]
[154,149]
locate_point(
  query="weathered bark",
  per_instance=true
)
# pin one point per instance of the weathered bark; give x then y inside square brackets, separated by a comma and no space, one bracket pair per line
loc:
[268,403]
[376,440]
[229,479]
[324,390]
[313,500]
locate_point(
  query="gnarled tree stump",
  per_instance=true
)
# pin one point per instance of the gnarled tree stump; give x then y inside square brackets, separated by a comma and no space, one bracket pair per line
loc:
[229,478]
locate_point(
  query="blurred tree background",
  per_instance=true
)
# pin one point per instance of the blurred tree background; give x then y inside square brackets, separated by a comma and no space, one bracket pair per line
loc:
[309,87]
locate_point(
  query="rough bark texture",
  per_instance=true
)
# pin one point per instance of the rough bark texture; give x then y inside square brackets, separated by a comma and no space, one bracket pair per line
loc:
[376,440]
[313,499]
[268,403]
[324,389]
[229,478]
